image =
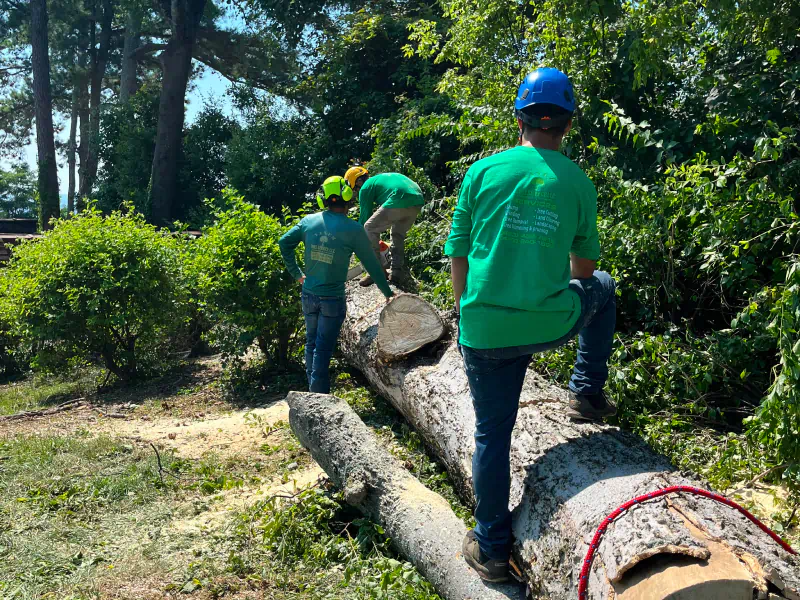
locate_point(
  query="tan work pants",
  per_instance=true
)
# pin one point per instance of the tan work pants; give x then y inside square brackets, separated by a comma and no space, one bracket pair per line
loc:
[399,221]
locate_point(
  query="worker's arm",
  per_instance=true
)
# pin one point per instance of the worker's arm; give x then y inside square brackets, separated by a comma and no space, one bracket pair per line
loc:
[586,245]
[288,242]
[458,274]
[365,204]
[365,253]
[581,268]
[458,242]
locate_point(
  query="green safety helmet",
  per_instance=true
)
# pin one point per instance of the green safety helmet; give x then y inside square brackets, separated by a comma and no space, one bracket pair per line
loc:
[334,192]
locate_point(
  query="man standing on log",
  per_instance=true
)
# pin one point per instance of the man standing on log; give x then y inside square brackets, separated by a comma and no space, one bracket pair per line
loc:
[524,246]
[330,239]
[399,201]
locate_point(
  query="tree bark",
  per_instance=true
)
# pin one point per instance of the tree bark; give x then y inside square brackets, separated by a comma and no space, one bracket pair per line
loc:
[99,57]
[567,477]
[176,65]
[129,84]
[71,146]
[418,521]
[49,206]
[83,146]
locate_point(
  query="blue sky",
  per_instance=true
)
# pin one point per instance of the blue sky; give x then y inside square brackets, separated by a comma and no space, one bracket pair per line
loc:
[209,85]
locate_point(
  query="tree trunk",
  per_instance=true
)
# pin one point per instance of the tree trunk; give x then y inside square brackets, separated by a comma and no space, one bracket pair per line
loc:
[128,84]
[418,521]
[49,206]
[98,71]
[83,146]
[71,146]
[567,477]
[176,65]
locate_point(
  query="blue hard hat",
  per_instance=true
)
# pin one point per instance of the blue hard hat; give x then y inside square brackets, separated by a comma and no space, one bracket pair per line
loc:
[546,86]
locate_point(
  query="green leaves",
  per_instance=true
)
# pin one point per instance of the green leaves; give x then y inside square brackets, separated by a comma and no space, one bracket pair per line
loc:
[98,288]
[241,282]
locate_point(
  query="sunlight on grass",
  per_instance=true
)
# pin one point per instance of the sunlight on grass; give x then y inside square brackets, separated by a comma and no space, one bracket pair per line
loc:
[43,392]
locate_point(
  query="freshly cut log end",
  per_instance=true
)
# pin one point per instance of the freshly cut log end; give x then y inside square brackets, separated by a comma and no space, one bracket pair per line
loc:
[407,324]
[418,521]
[566,477]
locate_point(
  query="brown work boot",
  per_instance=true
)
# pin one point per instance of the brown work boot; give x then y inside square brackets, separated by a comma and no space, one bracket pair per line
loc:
[493,571]
[367,280]
[590,408]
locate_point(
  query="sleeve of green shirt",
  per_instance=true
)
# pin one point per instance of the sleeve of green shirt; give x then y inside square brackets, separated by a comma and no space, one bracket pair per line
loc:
[288,242]
[461,229]
[365,203]
[366,255]
[586,243]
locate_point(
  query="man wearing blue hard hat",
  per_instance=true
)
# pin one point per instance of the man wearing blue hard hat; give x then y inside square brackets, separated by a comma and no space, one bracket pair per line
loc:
[524,247]
[330,239]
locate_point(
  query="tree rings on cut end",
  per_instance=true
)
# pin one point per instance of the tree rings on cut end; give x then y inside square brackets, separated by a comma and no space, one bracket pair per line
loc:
[407,324]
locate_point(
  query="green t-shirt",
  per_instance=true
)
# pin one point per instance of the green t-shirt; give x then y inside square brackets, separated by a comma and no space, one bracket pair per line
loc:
[330,240]
[390,190]
[519,215]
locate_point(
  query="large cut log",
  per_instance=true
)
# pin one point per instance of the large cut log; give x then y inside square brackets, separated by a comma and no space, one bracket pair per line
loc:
[567,477]
[405,325]
[418,521]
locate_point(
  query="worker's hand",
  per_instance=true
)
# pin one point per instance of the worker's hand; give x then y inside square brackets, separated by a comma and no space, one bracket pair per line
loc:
[389,299]
[458,306]
[301,279]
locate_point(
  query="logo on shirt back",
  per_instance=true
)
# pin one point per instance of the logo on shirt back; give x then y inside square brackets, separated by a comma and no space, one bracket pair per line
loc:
[531,216]
[320,251]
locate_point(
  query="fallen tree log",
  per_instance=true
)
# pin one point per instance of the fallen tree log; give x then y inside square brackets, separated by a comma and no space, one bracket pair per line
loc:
[407,324]
[567,477]
[418,521]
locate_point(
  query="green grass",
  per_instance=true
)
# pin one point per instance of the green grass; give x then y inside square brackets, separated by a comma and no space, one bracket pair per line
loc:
[42,392]
[64,503]
[86,517]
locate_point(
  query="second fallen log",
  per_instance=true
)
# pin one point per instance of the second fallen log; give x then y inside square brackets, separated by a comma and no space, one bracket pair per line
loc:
[418,521]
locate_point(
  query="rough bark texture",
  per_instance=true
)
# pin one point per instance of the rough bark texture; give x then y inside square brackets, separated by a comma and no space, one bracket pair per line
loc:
[99,60]
[566,477]
[407,324]
[420,522]
[49,206]
[83,146]
[176,65]
[71,147]
[128,83]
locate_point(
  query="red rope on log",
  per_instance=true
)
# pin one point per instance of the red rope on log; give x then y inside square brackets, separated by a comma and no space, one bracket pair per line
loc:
[583,583]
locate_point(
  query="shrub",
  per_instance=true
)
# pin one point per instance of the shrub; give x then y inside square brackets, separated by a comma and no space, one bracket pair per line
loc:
[107,288]
[242,283]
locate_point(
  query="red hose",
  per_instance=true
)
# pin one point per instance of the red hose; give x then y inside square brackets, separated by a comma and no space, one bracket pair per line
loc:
[583,583]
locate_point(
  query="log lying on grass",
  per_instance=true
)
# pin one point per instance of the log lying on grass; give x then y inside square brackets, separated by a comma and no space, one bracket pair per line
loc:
[419,521]
[567,477]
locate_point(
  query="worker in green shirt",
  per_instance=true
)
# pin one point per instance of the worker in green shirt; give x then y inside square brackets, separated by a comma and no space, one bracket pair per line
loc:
[524,246]
[399,201]
[330,239]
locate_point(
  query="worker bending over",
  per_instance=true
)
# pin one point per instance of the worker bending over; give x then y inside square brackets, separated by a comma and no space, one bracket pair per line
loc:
[524,247]
[399,201]
[330,239]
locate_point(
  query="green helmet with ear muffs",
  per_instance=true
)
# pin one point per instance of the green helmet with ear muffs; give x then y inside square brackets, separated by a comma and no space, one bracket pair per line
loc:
[334,192]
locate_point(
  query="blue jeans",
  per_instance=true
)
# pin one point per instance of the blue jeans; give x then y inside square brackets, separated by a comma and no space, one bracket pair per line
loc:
[324,317]
[495,382]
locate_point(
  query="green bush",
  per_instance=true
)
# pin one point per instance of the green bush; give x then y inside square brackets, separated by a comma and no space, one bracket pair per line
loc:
[242,284]
[99,288]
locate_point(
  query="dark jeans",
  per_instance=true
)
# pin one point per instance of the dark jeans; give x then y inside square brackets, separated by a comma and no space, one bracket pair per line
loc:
[324,317]
[495,381]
